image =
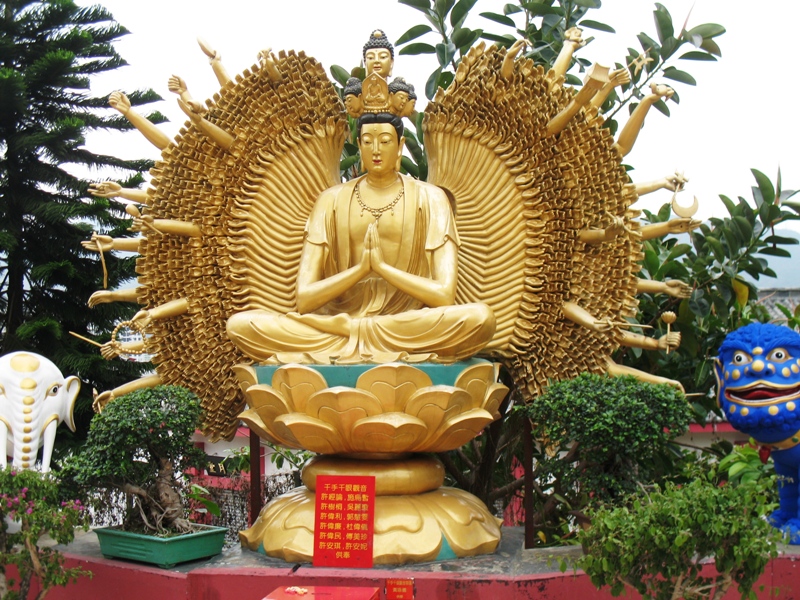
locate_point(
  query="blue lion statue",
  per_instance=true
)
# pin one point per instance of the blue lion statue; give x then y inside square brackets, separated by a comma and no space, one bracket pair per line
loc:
[758,387]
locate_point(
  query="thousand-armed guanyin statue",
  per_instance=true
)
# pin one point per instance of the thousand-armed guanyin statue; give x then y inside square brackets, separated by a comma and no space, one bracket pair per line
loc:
[349,314]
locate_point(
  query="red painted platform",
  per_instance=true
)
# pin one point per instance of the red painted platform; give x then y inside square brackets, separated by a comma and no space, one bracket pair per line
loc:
[511,574]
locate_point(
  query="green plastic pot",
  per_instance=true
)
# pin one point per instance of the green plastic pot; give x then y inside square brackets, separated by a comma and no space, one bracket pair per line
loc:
[163,552]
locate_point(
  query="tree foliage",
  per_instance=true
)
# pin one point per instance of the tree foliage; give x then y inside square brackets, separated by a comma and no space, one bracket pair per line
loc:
[721,261]
[657,545]
[49,51]
[542,27]
[140,444]
[598,438]
[30,509]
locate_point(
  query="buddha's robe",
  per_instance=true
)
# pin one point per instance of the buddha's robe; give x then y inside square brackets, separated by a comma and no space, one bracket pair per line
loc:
[373,321]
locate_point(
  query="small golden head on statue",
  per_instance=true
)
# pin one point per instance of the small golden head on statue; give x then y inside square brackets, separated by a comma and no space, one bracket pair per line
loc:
[375,94]
[378,54]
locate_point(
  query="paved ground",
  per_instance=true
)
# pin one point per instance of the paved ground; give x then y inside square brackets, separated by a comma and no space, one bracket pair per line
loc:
[510,559]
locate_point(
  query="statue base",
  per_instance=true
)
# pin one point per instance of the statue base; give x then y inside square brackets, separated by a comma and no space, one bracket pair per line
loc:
[430,523]
[376,420]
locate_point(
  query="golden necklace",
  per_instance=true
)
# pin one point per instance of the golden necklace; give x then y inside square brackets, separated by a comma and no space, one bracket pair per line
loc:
[378,212]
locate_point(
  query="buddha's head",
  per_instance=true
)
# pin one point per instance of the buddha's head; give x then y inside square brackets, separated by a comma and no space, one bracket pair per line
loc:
[398,96]
[380,139]
[378,54]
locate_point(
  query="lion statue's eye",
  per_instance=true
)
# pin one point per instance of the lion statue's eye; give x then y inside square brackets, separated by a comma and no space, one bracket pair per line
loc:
[741,358]
[779,355]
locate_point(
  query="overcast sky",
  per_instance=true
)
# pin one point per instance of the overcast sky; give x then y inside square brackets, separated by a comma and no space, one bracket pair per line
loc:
[738,117]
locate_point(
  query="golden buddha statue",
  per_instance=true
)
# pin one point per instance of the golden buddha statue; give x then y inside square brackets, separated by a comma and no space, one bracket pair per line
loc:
[377,274]
[254,250]
[250,233]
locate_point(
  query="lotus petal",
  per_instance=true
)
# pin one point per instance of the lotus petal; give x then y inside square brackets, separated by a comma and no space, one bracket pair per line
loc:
[476,380]
[390,433]
[341,407]
[297,383]
[436,405]
[458,431]
[254,422]
[246,375]
[469,528]
[267,402]
[282,529]
[393,384]
[497,392]
[313,434]
[404,529]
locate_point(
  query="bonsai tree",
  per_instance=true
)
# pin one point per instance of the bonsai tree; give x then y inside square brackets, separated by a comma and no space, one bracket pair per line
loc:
[598,438]
[139,445]
[29,509]
[659,544]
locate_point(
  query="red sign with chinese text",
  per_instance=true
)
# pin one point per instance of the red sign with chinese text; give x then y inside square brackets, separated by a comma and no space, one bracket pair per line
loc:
[399,589]
[344,521]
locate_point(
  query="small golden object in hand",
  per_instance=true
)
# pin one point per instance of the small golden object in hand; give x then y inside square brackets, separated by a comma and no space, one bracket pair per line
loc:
[118,345]
[669,318]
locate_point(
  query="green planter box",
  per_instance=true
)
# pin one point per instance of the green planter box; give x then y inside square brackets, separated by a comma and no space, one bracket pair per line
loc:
[163,552]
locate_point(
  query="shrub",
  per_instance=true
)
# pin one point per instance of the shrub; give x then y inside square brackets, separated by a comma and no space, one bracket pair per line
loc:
[140,444]
[599,437]
[657,546]
[30,508]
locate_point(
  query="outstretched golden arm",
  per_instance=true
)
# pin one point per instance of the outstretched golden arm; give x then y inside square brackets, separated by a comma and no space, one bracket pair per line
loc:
[105,296]
[173,308]
[153,134]
[215,133]
[105,243]
[595,78]
[634,125]
[171,226]
[673,287]
[572,41]
[101,400]
[673,183]
[579,315]
[599,235]
[111,189]
[215,60]
[656,230]
[615,370]
[615,78]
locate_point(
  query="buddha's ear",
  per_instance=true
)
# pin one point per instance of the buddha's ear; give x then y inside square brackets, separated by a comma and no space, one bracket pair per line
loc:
[400,153]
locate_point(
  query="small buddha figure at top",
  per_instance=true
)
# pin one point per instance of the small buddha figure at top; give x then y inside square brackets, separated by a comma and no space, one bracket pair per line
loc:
[378,55]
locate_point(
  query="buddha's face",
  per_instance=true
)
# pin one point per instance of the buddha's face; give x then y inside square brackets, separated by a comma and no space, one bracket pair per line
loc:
[398,101]
[380,148]
[353,105]
[378,60]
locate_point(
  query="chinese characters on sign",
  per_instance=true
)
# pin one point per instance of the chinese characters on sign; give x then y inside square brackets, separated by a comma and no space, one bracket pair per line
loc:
[343,528]
[399,589]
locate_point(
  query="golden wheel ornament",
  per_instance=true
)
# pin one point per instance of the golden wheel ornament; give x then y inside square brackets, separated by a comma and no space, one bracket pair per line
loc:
[134,326]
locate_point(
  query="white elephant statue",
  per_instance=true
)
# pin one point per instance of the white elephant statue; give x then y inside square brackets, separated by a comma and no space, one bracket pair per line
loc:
[34,398]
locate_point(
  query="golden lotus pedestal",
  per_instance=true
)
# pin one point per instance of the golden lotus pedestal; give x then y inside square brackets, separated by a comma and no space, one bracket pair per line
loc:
[377,420]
